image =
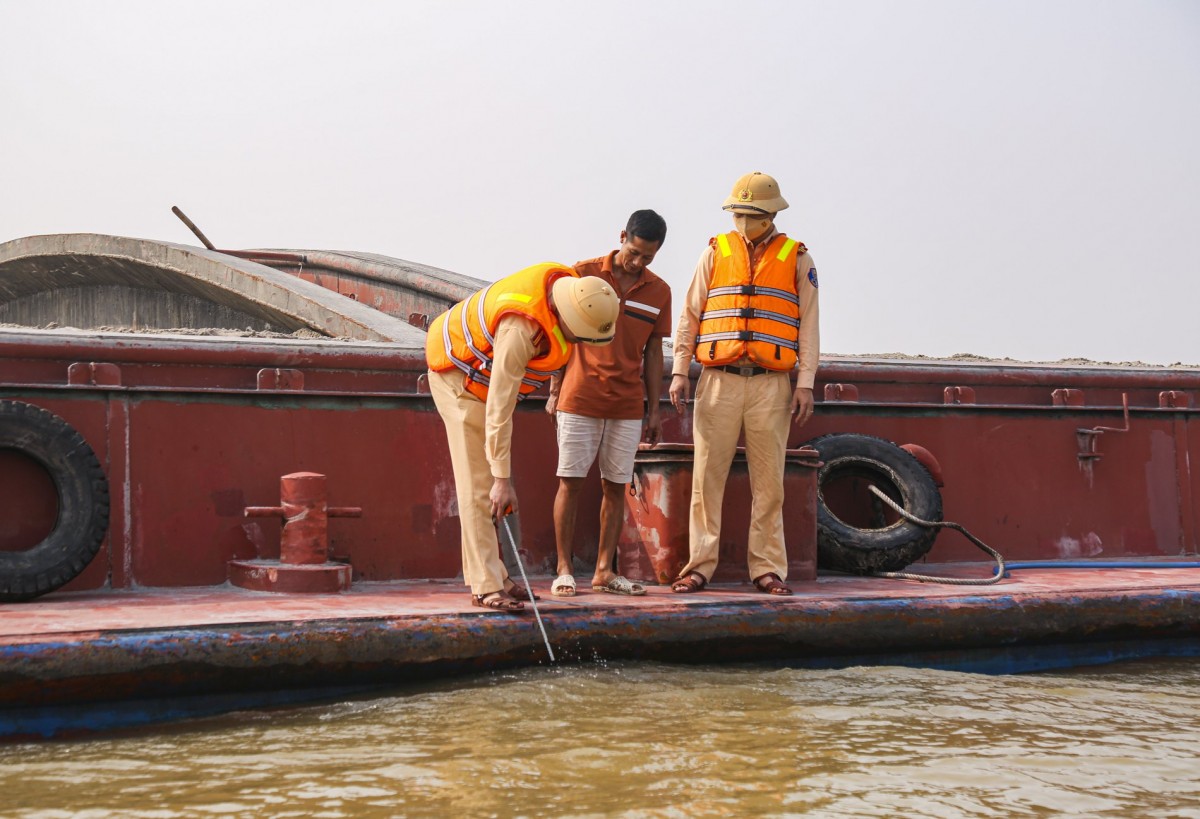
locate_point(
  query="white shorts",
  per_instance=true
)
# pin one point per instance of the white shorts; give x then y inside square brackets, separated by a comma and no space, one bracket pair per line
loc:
[581,437]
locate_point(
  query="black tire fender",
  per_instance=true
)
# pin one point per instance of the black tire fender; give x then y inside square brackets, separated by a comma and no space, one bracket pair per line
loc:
[83,505]
[865,459]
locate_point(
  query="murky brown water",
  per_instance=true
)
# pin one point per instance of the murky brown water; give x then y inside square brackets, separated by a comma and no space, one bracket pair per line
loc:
[651,740]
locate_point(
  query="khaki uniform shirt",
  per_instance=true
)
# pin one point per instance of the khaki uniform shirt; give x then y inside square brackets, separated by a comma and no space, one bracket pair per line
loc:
[808,335]
[518,340]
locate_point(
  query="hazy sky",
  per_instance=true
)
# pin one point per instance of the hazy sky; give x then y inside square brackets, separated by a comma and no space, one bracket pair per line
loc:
[1013,179]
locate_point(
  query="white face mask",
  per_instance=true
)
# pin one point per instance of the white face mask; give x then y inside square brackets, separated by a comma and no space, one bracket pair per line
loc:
[752,226]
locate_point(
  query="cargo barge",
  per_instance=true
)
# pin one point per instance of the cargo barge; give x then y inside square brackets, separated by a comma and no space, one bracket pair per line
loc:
[311,363]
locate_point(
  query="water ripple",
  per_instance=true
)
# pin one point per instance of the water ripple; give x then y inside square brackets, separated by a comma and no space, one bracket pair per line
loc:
[647,740]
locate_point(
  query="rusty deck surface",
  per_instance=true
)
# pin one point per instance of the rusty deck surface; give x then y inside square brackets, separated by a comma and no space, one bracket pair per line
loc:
[105,650]
[84,616]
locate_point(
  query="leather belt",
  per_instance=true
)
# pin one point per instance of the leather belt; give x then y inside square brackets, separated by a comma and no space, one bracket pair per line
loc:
[743,371]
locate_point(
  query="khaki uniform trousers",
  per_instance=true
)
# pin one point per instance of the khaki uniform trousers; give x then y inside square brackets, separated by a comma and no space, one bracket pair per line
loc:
[728,404]
[463,415]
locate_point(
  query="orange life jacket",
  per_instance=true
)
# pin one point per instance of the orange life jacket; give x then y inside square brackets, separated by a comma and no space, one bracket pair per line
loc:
[751,313]
[464,336]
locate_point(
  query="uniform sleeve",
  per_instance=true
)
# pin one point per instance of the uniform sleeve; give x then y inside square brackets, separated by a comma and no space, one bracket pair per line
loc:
[513,350]
[689,317]
[810,332]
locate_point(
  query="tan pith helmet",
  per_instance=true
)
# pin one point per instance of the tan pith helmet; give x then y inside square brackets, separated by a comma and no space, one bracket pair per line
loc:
[755,193]
[588,307]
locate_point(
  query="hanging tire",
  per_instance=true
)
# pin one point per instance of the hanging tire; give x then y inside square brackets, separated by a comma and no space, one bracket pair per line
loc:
[860,534]
[82,502]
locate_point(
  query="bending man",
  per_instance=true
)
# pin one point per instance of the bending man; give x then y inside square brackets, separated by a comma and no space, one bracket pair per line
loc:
[484,354]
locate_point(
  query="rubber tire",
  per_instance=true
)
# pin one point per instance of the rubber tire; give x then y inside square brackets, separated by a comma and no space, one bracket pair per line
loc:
[845,548]
[83,505]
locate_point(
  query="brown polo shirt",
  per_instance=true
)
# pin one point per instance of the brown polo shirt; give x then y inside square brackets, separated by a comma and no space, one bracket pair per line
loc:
[606,381]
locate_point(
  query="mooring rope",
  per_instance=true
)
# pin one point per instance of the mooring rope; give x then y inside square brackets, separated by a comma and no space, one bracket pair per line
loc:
[925,578]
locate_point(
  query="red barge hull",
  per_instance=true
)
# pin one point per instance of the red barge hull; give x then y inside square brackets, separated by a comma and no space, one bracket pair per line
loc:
[1043,462]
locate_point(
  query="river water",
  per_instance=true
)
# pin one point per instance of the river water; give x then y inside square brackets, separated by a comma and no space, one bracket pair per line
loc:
[648,740]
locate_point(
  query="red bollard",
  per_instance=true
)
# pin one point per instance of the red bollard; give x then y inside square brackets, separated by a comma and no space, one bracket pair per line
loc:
[305,512]
[303,565]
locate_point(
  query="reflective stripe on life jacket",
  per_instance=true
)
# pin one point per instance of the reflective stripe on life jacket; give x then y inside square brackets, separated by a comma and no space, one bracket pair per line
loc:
[751,313]
[464,336]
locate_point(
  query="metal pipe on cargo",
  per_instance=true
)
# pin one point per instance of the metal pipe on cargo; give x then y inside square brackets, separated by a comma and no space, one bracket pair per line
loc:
[192,226]
[268,256]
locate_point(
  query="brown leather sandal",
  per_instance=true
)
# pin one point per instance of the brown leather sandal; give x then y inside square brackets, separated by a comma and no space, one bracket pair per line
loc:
[518,592]
[770,583]
[689,583]
[497,601]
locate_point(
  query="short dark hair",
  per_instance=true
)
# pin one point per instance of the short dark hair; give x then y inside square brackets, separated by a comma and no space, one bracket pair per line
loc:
[647,225]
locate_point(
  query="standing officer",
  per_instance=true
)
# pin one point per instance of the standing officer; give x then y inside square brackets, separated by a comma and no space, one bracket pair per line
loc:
[750,319]
[484,354]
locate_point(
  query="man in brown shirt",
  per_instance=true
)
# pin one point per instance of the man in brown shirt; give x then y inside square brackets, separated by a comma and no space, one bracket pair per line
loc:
[608,399]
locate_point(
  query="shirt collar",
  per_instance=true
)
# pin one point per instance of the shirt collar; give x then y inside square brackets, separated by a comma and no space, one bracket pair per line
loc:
[606,267]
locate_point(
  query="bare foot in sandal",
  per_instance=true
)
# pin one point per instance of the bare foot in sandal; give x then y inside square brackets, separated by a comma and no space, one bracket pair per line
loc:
[771,584]
[689,583]
[618,585]
[563,586]
[497,602]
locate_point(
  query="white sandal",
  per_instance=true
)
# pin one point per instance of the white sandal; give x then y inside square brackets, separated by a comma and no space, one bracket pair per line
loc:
[563,586]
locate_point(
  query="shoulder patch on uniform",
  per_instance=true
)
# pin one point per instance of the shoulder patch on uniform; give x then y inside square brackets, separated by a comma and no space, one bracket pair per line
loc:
[812,276]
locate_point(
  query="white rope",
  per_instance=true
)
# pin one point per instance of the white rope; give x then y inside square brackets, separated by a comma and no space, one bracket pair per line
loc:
[925,578]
